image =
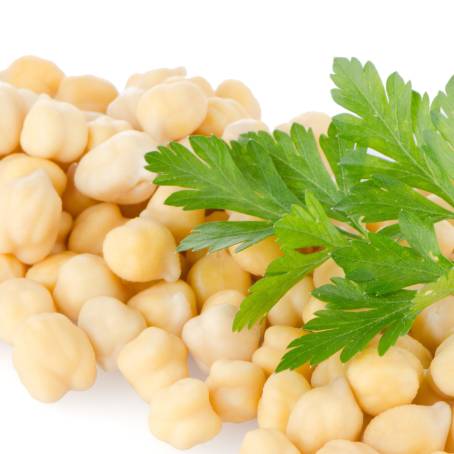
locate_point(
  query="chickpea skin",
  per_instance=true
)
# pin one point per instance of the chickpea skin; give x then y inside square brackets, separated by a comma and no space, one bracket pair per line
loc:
[103,128]
[154,77]
[238,91]
[124,106]
[12,112]
[267,441]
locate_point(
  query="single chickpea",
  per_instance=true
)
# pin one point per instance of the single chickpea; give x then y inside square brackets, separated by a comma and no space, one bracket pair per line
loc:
[12,112]
[110,325]
[29,98]
[234,130]
[66,223]
[74,202]
[83,277]
[327,371]
[203,84]
[153,360]
[52,356]
[326,271]
[346,447]
[36,74]
[280,394]
[180,222]
[103,128]
[209,337]
[312,306]
[91,227]
[267,441]
[215,272]
[154,77]
[235,388]
[142,250]
[10,267]
[54,130]
[383,382]
[288,310]
[30,212]
[409,429]
[317,121]
[21,298]
[124,106]
[233,297]
[322,414]
[114,171]
[238,91]
[444,232]
[87,92]
[167,305]
[442,367]
[172,111]
[427,395]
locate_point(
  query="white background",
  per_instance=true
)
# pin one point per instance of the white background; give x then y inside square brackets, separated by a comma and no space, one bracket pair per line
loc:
[283,50]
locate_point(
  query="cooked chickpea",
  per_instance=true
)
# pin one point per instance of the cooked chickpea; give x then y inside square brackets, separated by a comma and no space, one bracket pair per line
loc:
[234,130]
[182,416]
[444,232]
[103,128]
[238,91]
[74,202]
[203,84]
[233,297]
[322,414]
[409,429]
[235,388]
[172,111]
[442,367]
[326,271]
[180,222]
[87,92]
[154,77]
[110,325]
[427,395]
[10,267]
[29,98]
[114,171]
[124,106]
[312,306]
[346,447]
[317,121]
[280,394]
[54,130]
[92,226]
[12,112]
[328,370]
[267,441]
[142,250]
[152,361]
[66,223]
[36,74]
[82,277]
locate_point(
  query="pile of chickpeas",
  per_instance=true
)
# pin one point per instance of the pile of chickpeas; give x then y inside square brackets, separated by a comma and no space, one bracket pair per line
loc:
[90,274]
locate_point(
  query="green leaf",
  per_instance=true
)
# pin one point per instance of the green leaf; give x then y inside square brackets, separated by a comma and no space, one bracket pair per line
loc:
[435,291]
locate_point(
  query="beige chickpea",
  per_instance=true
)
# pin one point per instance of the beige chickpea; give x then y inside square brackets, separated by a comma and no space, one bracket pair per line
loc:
[124,106]
[328,370]
[233,297]
[383,382]
[91,227]
[280,394]
[53,356]
[21,298]
[238,91]
[235,388]
[203,84]
[10,267]
[114,171]
[427,395]
[12,112]
[54,130]
[322,414]
[180,222]
[450,441]
[267,441]
[74,202]
[288,310]
[442,367]
[30,212]
[409,429]
[36,74]
[182,415]
[209,337]
[346,447]
[312,306]
[444,232]
[142,250]
[65,225]
[317,121]
[152,361]
[82,277]
[103,128]
[87,92]
[326,271]
[110,325]
[154,77]
[46,271]
[167,305]
[215,272]
[172,111]
[29,98]
[234,130]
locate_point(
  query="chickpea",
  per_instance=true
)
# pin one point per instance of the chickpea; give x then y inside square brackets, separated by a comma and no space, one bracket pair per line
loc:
[383,382]
[30,212]
[29,98]
[346,447]
[133,210]
[12,112]
[154,77]
[280,394]
[442,367]
[21,298]
[153,360]
[142,250]
[289,308]
[209,337]
[124,106]
[92,226]
[323,414]
[172,111]
[180,222]
[450,441]
[317,121]
[233,297]
[182,416]
[66,222]
[87,92]
[328,370]
[221,112]
[444,232]
[83,277]
[54,130]
[238,91]
[215,272]
[167,305]
[110,325]
[10,267]
[46,271]
[235,388]
[312,306]
[52,356]
[203,84]
[326,271]
[234,130]
[267,441]
[36,74]
[427,395]
[103,128]
[409,429]
[114,171]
